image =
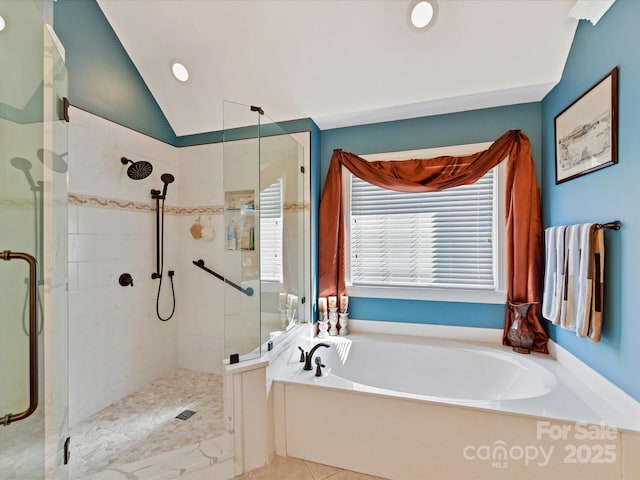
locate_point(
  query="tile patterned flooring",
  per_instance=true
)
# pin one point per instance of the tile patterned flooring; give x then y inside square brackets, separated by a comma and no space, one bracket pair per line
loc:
[143,424]
[286,468]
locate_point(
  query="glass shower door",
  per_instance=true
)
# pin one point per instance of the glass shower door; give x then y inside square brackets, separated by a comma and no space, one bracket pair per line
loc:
[33,246]
[241,183]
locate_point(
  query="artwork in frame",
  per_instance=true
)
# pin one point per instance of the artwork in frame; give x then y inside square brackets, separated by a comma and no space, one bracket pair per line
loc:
[586,131]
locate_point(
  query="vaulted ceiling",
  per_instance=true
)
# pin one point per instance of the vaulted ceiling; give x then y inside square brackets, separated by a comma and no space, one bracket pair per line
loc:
[341,62]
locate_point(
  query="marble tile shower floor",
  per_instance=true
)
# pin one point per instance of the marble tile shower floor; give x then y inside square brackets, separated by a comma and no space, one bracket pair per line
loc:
[143,424]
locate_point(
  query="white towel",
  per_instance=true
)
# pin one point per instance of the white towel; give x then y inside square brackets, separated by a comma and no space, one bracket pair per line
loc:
[554,264]
[569,278]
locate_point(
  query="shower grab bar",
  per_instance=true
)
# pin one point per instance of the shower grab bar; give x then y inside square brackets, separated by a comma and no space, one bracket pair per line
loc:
[33,336]
[200,264]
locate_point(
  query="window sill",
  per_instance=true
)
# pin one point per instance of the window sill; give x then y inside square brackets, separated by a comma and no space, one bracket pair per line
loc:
[431,294]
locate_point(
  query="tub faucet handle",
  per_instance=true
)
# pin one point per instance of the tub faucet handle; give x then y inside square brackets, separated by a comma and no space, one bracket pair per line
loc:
[302,354]
[319,366]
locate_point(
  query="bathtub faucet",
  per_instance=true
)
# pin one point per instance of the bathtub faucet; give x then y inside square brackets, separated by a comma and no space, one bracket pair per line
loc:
[308,357]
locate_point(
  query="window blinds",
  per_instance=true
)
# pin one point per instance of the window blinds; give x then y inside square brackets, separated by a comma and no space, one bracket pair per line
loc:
[271,232]
[433,239]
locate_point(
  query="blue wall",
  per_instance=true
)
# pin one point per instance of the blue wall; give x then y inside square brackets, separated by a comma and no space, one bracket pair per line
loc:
[453,129]
[608,194]
[102,78]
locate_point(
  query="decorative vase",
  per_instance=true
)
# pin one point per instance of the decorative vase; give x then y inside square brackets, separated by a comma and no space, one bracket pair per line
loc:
[520,335]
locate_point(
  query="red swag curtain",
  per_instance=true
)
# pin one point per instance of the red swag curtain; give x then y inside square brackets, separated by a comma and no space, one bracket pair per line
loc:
[523,221]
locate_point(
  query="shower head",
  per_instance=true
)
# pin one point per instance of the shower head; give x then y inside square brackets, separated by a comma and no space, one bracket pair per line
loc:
[21,164]
[53,160]
[25,165]
[137,170]
[166,178]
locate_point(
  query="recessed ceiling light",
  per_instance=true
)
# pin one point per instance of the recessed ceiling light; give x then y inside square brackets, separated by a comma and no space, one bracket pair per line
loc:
[3,24]
[422,13]
[180,72]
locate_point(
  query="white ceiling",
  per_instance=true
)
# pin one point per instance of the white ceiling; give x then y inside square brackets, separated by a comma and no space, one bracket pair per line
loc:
[341,62]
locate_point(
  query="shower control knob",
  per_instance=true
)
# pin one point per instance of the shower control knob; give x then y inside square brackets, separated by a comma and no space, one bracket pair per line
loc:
[126,280]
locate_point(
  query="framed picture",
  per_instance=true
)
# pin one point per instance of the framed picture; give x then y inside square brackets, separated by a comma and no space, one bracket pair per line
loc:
[587,131]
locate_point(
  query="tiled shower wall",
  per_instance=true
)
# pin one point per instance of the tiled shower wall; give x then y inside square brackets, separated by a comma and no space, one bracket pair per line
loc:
[116,342]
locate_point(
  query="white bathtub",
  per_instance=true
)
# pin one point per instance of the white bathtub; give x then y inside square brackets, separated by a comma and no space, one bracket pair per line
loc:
[385,403]
[448,371]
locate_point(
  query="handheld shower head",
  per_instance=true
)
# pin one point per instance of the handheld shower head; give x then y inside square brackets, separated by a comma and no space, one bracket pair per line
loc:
[25,165]
[137,170]
[166,178]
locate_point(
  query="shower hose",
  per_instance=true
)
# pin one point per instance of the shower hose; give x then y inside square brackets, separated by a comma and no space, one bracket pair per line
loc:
[160,246]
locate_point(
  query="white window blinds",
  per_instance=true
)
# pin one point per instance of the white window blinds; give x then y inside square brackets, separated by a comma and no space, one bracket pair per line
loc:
[433,239]
[271,232]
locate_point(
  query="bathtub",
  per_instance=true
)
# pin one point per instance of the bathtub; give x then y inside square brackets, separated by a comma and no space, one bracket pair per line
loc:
[416,407]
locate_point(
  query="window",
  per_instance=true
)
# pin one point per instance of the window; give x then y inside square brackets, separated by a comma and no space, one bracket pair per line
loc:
[435,245]
[271,232]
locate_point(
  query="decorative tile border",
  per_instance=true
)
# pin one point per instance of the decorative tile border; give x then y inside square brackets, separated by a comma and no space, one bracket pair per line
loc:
[118,204]
[300,207]
[13,203]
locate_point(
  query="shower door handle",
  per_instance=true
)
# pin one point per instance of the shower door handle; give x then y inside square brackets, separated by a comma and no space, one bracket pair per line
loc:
[33,336]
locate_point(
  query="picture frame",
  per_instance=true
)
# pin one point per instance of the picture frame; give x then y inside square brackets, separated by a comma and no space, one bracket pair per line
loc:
[586,132]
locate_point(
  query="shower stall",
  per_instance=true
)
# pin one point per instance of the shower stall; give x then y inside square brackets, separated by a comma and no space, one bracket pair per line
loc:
[83,354]
[33,245]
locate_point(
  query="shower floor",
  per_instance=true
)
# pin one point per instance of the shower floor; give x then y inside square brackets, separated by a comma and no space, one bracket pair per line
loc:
[143,424]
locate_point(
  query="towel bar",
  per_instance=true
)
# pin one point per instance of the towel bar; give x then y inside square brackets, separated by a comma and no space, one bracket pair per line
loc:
[615,225]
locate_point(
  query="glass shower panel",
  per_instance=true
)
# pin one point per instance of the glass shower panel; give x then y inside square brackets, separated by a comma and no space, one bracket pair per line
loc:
[241,184]
[282,284]
[264,213]
[33,193]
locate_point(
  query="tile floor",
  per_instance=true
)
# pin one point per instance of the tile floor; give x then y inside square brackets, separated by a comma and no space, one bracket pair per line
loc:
[143,424]
[286,468]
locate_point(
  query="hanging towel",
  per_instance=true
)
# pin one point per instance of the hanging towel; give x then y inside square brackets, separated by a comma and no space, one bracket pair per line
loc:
[574,278]
[554,264]
[570,276]
[597,298]
[584,284]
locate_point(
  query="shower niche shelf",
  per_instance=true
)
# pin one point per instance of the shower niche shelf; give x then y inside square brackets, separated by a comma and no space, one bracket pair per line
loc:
[240,230]
[240,223]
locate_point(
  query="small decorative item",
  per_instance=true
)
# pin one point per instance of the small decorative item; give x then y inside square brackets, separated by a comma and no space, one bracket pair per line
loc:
[323,321]
[344,303]
[292,308]
[333,301]
[322,305]
[520,335]
[208,233]
[196,229]
[282,307]
[587,131]
[344,323]
[323,325]
[333,320]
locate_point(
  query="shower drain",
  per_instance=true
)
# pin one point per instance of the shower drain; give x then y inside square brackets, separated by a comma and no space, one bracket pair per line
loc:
[186,415]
